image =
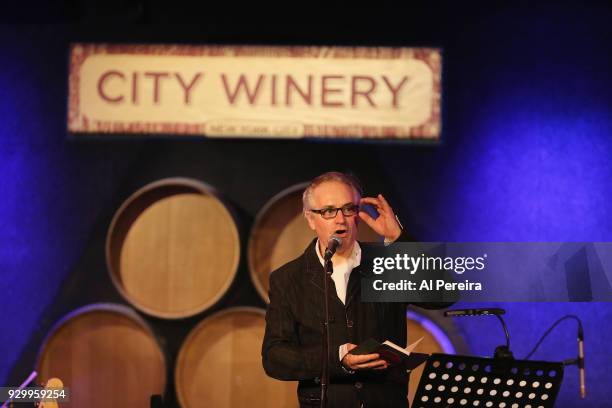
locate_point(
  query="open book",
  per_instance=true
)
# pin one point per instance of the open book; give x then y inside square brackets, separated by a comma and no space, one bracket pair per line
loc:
[392,353]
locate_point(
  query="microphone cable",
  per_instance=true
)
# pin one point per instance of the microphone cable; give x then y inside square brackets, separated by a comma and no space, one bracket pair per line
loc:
[552,327]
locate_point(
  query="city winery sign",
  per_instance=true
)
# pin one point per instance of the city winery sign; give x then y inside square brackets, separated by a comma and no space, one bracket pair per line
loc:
[242,91]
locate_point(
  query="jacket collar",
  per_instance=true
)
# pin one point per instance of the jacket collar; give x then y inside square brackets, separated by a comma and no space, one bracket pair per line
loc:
[315,273]
[314,269]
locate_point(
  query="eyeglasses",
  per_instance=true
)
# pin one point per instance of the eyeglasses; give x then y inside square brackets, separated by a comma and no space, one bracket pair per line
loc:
[349,210]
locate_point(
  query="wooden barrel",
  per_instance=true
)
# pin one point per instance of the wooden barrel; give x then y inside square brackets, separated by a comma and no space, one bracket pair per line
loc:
[436,339]
[280,233]
[173,248]
[219,364]
[106,355]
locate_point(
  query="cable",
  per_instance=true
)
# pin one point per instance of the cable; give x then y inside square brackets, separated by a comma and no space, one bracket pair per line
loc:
[551,328]
[505,331]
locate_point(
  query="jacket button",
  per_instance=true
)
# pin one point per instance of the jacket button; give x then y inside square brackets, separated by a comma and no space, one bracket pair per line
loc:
[359,385]
[349,323]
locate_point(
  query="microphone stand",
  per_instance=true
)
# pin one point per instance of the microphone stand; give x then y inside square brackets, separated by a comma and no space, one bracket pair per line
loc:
[329,269]
[577,361]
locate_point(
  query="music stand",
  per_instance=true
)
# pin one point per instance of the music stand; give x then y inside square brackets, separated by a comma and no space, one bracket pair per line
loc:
[463,381]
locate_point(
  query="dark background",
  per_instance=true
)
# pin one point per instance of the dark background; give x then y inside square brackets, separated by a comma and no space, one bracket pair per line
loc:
[524,155]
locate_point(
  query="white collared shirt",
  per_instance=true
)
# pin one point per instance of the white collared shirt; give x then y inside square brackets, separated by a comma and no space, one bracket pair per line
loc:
[342,269]
[342,272]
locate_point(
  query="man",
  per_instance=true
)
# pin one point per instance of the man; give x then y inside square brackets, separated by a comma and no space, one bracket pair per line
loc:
[293,340]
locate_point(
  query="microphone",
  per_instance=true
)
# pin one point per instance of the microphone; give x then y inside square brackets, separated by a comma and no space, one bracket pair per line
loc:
[581,362]
[332,246]
[475,312]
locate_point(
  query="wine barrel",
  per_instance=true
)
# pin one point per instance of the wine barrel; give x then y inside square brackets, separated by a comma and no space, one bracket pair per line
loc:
[173,248]
[219,364]
[106,355]
[280,233]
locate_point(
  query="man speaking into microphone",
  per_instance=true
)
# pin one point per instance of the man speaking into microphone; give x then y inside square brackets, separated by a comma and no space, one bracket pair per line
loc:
[292,347]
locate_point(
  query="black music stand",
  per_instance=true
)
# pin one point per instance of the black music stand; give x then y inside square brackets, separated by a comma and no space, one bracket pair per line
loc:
[463,381]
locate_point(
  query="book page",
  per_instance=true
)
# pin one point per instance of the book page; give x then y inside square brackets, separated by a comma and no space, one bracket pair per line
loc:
[406,350]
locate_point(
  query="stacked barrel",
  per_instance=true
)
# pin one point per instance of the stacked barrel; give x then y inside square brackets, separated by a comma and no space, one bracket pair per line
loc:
[173,251]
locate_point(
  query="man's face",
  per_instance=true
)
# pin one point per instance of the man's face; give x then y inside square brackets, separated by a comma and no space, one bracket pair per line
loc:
[335,195]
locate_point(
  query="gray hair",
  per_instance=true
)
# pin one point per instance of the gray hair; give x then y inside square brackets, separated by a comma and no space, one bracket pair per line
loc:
[344,178]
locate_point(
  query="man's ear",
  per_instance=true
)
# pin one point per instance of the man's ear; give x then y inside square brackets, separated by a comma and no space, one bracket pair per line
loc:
[308,215]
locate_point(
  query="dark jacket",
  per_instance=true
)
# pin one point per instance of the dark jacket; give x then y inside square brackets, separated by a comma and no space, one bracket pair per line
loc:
[293,340]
